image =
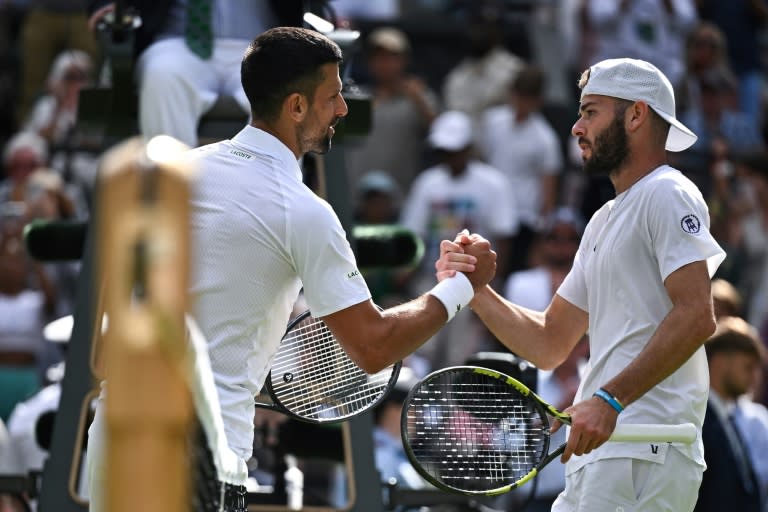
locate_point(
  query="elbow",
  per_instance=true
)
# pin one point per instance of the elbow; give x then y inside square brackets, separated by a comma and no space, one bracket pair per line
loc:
[369,360]
[550,361]
[372,364]
[702,324]
[708,325]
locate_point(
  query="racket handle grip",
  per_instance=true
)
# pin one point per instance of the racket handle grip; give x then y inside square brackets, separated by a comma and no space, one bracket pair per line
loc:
[644,432]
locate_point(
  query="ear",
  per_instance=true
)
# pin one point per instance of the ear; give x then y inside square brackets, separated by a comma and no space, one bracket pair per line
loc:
[296,106]
[636,115]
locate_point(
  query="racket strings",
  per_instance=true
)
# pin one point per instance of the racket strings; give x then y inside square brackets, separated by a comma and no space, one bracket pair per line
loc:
[475,434]
[314,378]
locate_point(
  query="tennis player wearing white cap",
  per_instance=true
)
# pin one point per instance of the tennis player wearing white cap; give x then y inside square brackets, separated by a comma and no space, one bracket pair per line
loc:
[640,286]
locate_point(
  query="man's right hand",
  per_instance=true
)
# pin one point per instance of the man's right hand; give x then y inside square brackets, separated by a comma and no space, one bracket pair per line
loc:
[471,254]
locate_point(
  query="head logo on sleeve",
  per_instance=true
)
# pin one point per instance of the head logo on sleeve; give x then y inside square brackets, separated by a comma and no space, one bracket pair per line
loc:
[690,224]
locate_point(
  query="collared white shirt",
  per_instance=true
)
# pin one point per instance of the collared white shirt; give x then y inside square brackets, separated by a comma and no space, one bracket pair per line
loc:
[629,248]
[259,234]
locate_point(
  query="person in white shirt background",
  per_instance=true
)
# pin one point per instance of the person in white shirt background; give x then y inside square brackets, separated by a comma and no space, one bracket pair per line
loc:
[460,192]
[518,140]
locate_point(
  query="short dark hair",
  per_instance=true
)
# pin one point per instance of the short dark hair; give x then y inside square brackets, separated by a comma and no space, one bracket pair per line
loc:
[282,61]
[530,81]
[734,334]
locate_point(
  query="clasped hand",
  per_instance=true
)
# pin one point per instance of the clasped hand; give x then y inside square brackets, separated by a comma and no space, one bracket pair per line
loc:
[471,254]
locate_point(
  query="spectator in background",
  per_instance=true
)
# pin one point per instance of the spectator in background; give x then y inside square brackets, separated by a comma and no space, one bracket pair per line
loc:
[180,75]
[378,199]
[650,30]
[391,461]
[34,191]
[50,27]
[54,116]
[377,202]
[742,22]
[705,52]
[24,153]
[516,139]
[482,79]
[403,108]
[457,193]
[557,245]
[752,235]
[27,299]
[726,299]
[737,471]
[723,131]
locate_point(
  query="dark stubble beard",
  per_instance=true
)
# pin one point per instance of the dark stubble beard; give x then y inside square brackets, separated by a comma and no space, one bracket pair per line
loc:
[609,151]
[322,144]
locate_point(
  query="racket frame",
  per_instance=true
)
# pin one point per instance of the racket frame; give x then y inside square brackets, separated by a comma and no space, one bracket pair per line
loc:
[685,433]
[278,406]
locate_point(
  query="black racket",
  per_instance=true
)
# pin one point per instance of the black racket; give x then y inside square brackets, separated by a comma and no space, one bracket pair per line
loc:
[314,380]
[476,431]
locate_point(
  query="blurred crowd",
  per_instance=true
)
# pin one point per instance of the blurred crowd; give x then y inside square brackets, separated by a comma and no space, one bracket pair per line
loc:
[472,104]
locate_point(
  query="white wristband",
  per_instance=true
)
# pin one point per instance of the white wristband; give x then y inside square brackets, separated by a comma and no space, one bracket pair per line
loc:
[454,292]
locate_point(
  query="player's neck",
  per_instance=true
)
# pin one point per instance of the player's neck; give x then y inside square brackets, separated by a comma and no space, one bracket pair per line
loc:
[639,164]
[281,134]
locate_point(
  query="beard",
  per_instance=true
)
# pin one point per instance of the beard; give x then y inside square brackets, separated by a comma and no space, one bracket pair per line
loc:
[322,145]
[610,150]
[319,144]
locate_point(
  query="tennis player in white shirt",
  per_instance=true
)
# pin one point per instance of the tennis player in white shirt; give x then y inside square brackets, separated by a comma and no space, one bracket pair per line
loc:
[640,285]
[260,235]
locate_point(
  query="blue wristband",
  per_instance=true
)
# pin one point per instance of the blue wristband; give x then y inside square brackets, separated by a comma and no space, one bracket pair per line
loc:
[610,399]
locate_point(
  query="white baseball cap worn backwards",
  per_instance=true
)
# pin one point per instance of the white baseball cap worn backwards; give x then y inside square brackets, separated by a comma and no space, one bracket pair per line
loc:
[637,80]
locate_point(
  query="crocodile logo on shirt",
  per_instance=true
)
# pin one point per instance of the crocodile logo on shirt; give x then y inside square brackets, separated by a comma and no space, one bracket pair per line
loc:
[690,224]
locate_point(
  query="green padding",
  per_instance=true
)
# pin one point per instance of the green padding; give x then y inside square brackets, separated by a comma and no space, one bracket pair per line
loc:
[387,246]
[17,384]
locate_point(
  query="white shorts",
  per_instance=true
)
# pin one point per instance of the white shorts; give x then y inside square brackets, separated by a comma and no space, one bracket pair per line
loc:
[632,485]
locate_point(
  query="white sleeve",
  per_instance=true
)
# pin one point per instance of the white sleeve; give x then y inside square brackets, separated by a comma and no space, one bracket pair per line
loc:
[678,224]
[574,286]
[325,262]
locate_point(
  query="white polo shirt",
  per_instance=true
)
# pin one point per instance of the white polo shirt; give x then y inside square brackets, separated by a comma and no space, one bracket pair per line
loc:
[629,248]
[259,234]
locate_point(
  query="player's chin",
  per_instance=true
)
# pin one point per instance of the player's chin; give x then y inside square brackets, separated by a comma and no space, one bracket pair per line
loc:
[323,146]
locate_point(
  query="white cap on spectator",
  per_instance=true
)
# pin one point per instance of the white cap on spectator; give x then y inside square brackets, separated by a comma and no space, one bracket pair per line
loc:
[67,60]
[390,39]
[451,131]
[26,140]
[637,80]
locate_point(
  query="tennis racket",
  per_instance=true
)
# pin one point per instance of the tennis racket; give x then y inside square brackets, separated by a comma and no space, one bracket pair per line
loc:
[314,380]
[476,431]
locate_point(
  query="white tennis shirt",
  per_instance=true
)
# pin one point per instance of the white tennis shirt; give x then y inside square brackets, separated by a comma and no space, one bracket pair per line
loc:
[259,234]
[629,248]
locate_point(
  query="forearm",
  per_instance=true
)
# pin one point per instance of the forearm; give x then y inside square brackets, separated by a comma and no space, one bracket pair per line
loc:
[523,331]
[676,339]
